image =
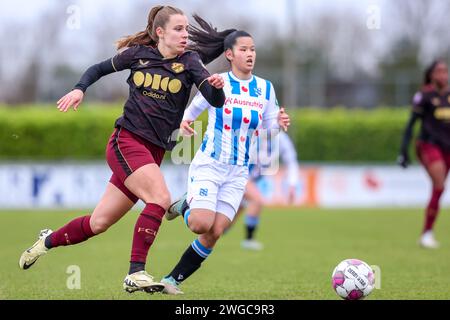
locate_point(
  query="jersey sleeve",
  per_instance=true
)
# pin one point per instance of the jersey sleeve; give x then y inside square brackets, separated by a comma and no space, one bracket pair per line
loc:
[119,62]
[94,73]
[197,70]
[270,115]
[196,107]
[124,59]
[418,103]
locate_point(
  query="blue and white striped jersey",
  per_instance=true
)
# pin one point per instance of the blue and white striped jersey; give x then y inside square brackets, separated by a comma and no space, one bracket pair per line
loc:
[250,106]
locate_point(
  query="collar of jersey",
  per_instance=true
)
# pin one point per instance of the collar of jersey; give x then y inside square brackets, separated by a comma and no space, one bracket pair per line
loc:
[162,57]
[231,74]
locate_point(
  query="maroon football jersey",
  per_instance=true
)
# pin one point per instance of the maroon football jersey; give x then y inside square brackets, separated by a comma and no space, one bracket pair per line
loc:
[434,110]
[159,91]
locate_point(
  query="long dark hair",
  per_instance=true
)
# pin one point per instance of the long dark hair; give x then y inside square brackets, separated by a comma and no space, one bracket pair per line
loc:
[158,17]
[210,43]
[429,71]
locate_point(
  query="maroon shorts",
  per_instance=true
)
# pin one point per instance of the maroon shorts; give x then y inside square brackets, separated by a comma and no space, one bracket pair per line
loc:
[126,153]
[429,153]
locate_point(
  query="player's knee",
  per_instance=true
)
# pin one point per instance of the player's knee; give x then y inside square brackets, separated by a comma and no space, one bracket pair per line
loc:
[99,225]
[256,202]
[216,234]
[199,227]
[259,203]
[162,199]
[439,184]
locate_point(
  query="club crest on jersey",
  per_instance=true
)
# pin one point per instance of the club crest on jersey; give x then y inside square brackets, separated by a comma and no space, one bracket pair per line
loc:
[177,67]
[436,102]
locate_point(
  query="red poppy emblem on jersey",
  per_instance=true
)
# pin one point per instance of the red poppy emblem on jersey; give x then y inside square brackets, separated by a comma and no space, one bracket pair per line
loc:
[227,111]
[246,121]
[244,89]
[243,139]
[256,133]
[227,127]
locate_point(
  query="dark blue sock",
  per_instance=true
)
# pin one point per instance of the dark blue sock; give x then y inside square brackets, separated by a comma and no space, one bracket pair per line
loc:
[190,261]
[251,224]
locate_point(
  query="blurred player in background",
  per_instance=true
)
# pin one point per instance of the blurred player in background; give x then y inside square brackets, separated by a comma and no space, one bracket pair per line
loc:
[218,173]
[162,74]
[253,200]
[431,106]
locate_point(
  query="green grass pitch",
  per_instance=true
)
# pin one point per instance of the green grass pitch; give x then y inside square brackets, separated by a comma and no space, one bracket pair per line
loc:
[302,247]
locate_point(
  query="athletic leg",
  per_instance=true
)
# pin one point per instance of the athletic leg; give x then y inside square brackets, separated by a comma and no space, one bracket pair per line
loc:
[434,163]
[252,218]
[195,255]
[111,208]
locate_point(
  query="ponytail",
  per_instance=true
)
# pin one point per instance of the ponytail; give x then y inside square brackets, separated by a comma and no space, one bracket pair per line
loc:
[158,17]
[207,41]
[429,72]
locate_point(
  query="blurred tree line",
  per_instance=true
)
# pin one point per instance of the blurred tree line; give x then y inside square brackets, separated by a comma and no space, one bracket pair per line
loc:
[325,59]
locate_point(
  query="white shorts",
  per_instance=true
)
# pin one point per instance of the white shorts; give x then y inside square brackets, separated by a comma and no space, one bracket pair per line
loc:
[216,186]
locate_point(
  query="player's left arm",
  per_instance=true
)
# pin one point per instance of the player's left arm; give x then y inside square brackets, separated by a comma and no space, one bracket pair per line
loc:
[275,117]
[212,90]
[210,86]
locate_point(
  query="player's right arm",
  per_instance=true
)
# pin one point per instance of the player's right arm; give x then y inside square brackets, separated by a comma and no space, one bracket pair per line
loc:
[119,62]
[197,106]
[417,111]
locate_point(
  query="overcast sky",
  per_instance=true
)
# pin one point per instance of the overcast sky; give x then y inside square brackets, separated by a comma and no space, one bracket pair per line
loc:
[25,9]
[263,14]
[111,19]
[77,33]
